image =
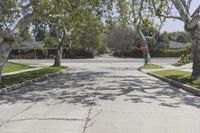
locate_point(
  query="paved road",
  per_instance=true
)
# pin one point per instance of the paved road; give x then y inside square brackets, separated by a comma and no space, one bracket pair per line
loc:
[100,98]
[107,59]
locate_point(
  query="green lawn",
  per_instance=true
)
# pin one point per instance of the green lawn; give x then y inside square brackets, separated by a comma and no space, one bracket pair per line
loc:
[180,76]
[17,78]
[150,66]
[12,67]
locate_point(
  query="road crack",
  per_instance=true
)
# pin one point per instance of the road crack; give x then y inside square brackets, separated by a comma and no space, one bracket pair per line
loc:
[90,109]
[10,120]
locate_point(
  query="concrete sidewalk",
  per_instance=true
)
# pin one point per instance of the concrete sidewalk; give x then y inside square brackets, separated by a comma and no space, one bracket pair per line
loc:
[22,71]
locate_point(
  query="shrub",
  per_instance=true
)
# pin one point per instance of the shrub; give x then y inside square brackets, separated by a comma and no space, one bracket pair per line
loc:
[49,53]
[167,53]
[136,53]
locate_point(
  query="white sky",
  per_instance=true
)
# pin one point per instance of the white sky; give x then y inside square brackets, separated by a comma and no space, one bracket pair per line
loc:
[175,25]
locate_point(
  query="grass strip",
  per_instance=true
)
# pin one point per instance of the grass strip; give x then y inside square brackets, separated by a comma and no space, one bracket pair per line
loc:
[180,76]
[18,78]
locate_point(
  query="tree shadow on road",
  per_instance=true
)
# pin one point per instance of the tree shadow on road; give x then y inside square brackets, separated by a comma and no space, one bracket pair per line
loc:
[68,87]
[80,88]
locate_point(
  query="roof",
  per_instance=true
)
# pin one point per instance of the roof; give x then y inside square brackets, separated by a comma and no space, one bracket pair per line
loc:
[30,44]
[173,44]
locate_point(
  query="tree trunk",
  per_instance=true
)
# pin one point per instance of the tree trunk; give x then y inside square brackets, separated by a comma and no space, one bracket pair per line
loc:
[59,54]
[5,49]
[192,26]
[146,53]
[195,34]
[146,57]
[9,38]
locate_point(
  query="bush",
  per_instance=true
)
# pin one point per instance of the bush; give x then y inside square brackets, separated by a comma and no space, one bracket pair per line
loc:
[184,59]
[136,53]
[167,53]
[49,53]
[27,54]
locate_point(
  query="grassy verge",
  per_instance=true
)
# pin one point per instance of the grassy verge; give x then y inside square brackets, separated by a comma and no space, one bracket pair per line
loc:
[17,78]
[13,67]
[180,76]
[150,66]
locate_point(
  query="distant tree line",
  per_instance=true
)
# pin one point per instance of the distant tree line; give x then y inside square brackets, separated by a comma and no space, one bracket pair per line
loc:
[182,37]
[124,38]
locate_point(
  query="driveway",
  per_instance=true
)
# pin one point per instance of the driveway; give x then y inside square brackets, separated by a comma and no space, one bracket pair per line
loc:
[100,98]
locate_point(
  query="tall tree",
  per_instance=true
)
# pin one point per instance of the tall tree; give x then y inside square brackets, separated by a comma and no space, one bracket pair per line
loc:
[57,14]
[192,25]
[65,15]
[139,14]
[15,16]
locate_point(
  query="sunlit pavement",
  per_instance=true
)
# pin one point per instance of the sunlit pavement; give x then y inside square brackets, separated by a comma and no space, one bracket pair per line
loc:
[107,59]
[102,97]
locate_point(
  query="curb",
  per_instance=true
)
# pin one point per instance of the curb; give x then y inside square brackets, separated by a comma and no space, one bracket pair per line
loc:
[13,87]
[140,69]
[185,87]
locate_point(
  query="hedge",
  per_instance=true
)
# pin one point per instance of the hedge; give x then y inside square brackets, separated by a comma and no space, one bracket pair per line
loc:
[136,53]
[49,53]
[82,53]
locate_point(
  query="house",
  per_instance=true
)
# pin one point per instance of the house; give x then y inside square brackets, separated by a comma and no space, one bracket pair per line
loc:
[171,45]
[20,50]
[176,45]
[30,44]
